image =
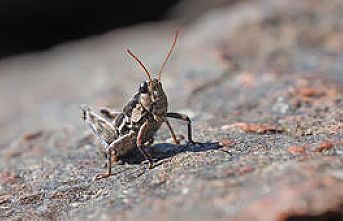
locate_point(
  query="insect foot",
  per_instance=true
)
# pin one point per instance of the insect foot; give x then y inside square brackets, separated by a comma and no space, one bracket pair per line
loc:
[101,176]
[135,126]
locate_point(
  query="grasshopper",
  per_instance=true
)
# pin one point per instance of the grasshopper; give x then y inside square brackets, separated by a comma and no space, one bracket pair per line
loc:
[136,125]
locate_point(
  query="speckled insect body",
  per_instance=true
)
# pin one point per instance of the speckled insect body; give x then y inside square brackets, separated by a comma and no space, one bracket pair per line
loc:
[135,126]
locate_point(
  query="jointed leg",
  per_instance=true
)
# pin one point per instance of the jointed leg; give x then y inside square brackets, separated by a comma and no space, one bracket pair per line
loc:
[183,117]
[140,144]
[171,131]
[109,167]
[113,146]
[114,160]
[108,113]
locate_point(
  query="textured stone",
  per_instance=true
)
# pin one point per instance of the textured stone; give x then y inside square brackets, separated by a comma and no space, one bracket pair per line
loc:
[233,67]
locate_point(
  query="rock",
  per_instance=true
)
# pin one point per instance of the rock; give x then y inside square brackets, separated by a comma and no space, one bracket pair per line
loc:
[229,71]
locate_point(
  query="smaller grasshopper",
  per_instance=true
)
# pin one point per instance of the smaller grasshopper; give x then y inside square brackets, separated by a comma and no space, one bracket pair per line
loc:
[136,125]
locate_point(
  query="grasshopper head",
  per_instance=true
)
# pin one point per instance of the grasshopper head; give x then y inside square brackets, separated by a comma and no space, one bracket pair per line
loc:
[152,95]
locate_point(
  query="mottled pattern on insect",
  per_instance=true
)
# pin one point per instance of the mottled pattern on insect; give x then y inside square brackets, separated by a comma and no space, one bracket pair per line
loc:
[135,126]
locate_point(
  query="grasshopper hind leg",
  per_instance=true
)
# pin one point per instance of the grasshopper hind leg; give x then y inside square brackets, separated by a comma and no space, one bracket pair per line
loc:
[115,160]
[108,113]
[116,148]
[109,167]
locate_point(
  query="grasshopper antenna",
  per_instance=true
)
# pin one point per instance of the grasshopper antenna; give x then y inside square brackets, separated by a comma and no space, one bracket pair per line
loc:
[168,55]
[140,63]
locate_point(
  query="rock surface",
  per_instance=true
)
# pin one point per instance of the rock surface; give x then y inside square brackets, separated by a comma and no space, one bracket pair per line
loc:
[262,81]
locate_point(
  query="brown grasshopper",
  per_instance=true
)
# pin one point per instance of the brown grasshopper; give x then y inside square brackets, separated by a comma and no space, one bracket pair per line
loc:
[136,125]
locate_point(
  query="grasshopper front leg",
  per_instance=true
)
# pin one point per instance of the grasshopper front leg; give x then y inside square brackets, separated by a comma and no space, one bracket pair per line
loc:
[141,146]
[183,117]
[171,131]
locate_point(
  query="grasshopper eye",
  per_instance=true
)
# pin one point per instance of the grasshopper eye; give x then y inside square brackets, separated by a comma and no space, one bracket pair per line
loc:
[143,88]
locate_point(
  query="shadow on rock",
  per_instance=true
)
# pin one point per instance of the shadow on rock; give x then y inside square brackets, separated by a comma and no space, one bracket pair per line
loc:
[166,150]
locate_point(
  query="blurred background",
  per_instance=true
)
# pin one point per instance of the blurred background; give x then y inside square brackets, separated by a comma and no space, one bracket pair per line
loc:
[37,24]
[56,55]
